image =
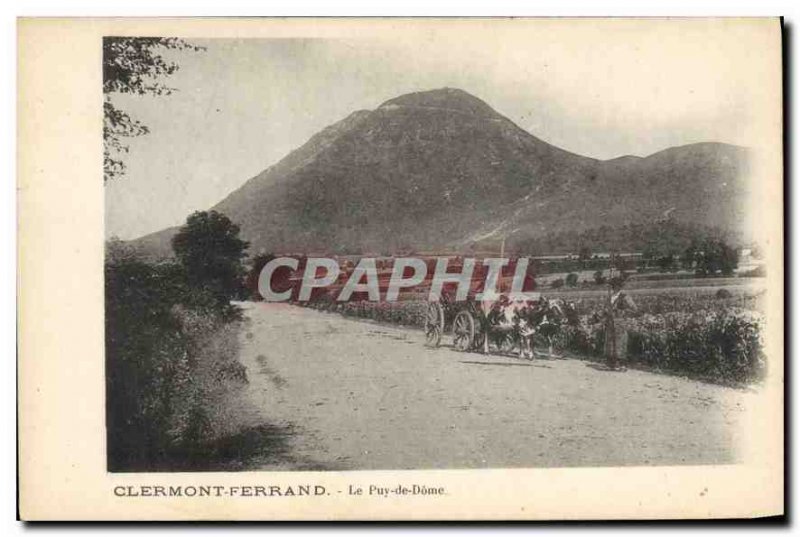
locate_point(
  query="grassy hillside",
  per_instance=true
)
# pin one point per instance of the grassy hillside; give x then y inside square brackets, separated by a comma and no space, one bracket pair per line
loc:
[442,170]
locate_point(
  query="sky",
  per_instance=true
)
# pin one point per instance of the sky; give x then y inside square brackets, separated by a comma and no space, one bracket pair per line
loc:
[243,104]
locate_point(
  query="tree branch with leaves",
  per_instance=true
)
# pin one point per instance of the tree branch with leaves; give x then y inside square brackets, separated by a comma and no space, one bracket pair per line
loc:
[132,65]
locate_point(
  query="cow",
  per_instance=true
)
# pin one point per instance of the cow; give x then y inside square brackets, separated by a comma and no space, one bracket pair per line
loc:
[504,315]
[520,319]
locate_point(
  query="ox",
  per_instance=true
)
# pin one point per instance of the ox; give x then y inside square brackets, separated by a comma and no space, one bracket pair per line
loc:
[522,319]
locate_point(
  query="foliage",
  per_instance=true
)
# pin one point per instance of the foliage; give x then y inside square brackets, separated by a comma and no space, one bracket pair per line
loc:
[665,245]
[162,370]
[571,280]
[723,293]
[132,65]
[715,336]
[709,336]
[720,345]
[576,338]
[118,251]
[558,282]
[653,239]
[599,278]
[251,282]
[409,313]
[171,344]
[617,281]
[210,252]
[666,263]
[716,256]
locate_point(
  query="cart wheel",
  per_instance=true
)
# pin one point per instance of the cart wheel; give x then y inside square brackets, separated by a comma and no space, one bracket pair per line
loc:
[463,331]
[434,324]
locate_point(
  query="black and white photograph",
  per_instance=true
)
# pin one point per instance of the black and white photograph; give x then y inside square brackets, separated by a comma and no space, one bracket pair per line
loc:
[441,245]
[641,345]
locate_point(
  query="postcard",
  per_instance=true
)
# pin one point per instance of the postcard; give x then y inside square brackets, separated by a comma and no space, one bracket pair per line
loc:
[400,269]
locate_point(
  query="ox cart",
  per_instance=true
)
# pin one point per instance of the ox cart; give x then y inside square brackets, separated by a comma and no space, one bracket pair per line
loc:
[500,323]
[466,320]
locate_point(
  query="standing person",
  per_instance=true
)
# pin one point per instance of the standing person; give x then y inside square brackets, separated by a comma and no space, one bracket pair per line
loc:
[610,336]
[616,330]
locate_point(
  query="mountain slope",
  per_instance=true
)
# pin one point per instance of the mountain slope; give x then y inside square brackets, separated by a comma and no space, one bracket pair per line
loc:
[698,184]
[442,170]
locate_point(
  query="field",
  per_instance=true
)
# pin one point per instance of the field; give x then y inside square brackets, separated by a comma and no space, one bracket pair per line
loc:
[661,296]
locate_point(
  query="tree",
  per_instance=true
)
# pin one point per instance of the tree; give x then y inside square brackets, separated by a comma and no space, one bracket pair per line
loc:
[132,65]
[690,256]
[145,354]
[572,279]
[665,262]
[599,279]
[729,259]
[210,251]
[717,256]
[649,253]
[584,254]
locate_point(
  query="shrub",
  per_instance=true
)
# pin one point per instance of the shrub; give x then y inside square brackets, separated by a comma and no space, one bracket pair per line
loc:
[170,351]
[599,279]
[557,283]
[572,279]
[705,338]
[715,338]
[720,345]
[575,338]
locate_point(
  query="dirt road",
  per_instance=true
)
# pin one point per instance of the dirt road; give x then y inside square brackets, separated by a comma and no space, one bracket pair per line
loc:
[349,394]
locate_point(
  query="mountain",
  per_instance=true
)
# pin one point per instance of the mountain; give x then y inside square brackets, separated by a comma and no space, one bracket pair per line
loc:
[441,170]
